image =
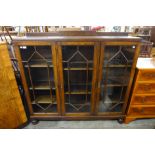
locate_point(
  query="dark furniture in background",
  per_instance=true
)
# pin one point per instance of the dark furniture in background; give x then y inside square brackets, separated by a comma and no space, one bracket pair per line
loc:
[146,49]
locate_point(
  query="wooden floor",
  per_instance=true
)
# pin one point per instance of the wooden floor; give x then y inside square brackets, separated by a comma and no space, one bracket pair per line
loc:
[106,124]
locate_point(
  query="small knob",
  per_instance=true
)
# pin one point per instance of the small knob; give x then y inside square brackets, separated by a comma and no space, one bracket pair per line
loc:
[147,87]
[142,111]
[143,100]
[152,75]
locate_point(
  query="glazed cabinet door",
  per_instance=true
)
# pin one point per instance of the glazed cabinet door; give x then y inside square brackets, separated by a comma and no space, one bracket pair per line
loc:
[77,70]
[39,76]
[117,67]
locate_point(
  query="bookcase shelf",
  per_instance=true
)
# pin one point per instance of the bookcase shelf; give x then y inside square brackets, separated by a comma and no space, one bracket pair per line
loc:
[46,99]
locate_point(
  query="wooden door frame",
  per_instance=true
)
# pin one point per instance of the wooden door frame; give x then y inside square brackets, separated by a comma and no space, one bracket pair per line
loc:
[23,77]
[99,79]
[61,79]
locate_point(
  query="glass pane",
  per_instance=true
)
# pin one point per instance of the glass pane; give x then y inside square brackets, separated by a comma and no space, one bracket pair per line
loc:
[38,66]
[77,103]
[111,99]
[78,68]
[118,55]
[115,77]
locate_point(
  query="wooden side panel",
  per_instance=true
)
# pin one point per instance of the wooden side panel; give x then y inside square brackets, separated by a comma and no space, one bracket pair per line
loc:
[12,112]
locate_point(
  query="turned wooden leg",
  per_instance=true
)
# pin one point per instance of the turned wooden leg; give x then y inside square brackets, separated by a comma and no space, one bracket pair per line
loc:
[120,120]
[34,121]
[128,120]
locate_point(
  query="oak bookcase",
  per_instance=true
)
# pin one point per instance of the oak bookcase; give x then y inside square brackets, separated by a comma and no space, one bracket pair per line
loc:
[77,77]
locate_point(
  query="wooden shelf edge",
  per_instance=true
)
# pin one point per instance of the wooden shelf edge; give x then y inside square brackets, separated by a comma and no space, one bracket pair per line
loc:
[77,93]
[44,99]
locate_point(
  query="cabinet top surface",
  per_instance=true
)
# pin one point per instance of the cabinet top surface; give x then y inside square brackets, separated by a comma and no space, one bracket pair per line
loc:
[146,63]
[76,38]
